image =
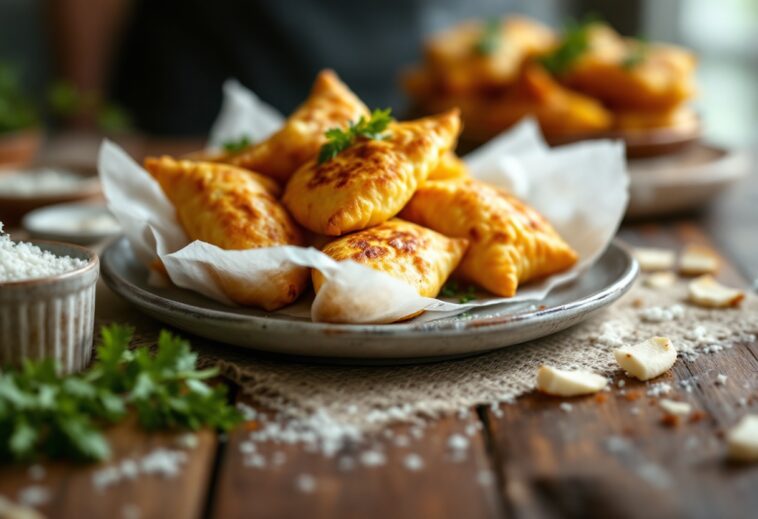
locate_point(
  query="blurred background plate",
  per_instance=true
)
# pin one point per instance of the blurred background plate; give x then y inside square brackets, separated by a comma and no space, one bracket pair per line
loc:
[683,181]
[284,332]
[75,223]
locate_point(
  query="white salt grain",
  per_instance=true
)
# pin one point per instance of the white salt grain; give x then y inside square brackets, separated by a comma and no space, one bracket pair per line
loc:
[658,389]
[305,483]
[34,496]
[659,314]
[566,407]
[372,458]
[413,462]
[721,379]
[457,442]
[21,261]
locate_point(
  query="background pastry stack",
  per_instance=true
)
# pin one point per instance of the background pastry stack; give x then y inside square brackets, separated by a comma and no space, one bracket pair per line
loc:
[586,81]
[337,176]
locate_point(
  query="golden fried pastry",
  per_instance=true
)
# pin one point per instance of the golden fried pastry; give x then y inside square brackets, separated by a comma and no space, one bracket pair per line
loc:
[559,111]
[451,167]
[330,104]
[234,209]
[626,73]
[418,256]
[370,181]
[681,118]
[477,55]
[509,242]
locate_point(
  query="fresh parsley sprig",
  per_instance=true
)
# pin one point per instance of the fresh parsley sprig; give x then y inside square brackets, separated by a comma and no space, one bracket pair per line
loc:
[490,39]
[638,53]
[236,145]
[44,413]
[338,139]
[573,45]
[453,289]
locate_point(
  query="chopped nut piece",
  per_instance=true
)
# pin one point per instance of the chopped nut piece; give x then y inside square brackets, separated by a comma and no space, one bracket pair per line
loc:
[742,439]
[561,382]
[660,280]
[647,359]
[651,259]
[706,291]
[696,260]
[674,407]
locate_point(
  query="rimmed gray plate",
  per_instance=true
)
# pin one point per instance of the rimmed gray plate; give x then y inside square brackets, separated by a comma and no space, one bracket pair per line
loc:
[475,332]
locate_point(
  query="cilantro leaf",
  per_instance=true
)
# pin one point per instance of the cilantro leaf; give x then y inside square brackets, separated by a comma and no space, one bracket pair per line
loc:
[338,140]
[573,45]
[490,39]
[637,54]
[236,145]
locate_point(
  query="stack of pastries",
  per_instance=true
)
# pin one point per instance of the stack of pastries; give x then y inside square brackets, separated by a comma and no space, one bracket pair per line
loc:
[401,202]
[585,81]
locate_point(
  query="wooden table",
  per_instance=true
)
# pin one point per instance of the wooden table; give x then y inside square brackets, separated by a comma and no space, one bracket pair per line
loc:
[531,459]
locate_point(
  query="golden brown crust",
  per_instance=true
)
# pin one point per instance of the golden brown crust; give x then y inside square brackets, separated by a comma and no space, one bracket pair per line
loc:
[371,181]
[234,209]
[660,81]
[509,242]
[450,167]
[330,104]
[418,256]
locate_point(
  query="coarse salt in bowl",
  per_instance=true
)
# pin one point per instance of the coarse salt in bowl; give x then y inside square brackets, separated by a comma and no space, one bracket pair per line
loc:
[47,302]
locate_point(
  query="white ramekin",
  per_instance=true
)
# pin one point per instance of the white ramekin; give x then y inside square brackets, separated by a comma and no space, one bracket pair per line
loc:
[52,317]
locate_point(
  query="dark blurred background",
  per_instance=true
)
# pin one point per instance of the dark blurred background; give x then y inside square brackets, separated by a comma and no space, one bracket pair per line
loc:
[156,66]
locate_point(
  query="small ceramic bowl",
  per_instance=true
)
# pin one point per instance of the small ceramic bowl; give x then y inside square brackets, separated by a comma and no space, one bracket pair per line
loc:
[51,317]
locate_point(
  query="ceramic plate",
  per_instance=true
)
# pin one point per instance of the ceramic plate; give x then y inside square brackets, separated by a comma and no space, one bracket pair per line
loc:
[76,223]
[683,181]
[478,331]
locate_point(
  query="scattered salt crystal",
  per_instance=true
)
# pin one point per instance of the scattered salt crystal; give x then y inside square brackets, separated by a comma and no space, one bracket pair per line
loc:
[247,447]
[609,335]
[658,389]
[402,441]
[659,314]
[471,429]
[621,382]
[34,495]
[721,379]
[255,461]
[37,472]
[161,461]
[413,462]
[457,442]
[372,458]
[248,413]
[305,483]
[417,432]
[131,511]
[187,441]
[20,261]
[566,407]
[485,477]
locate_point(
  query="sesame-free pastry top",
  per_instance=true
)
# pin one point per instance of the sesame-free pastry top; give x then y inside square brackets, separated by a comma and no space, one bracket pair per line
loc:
[234,209]
[418,256]
[371,181]
[509,242]
[330,104]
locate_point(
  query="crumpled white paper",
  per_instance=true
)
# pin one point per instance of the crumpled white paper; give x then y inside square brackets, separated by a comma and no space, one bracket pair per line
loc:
[581,188]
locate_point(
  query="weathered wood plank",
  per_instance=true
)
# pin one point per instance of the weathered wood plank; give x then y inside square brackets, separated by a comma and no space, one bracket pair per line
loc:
[297,483]
[613,456]
[72,492]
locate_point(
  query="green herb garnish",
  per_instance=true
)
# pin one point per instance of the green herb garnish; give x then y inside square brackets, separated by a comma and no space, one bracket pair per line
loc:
[490,39]
[338,140]
[637,54]
[42,412]
[574,43]
[16,109]
[236,145]
[453,289]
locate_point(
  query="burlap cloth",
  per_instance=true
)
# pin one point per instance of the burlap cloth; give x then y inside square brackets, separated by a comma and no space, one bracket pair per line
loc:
[371,397]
